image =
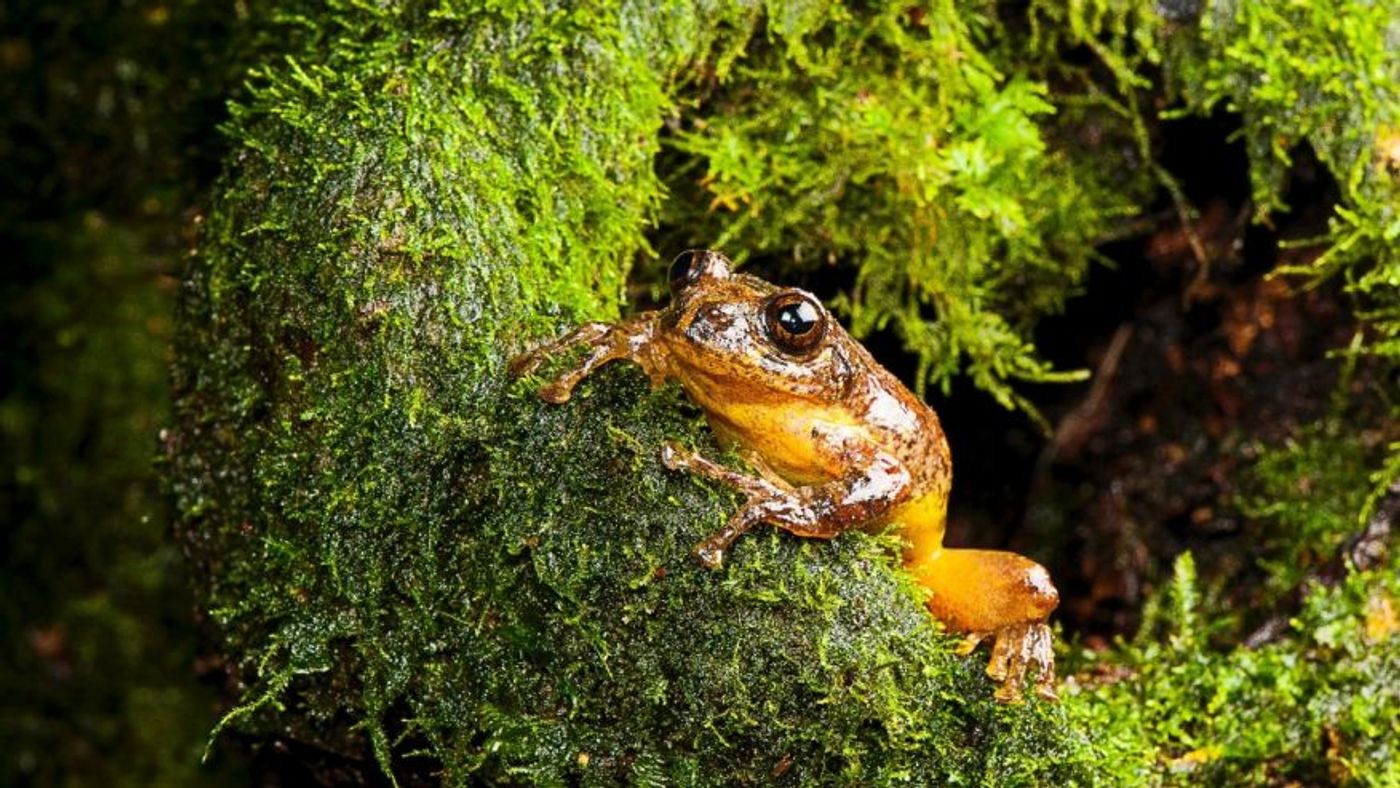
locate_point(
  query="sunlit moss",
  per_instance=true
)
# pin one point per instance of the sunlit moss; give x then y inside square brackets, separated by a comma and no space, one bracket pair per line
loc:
[890,142]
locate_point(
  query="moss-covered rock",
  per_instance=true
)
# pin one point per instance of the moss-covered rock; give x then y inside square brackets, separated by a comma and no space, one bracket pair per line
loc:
[399,546]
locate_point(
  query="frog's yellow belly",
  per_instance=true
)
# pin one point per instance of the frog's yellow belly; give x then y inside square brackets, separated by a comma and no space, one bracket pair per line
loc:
[921,522]
[784,438]
[801,442]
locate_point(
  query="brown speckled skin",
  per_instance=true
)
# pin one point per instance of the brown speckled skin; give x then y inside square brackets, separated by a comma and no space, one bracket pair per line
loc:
[838,443]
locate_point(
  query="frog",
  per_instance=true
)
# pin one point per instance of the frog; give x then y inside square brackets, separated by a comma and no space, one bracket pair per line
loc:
[835,442]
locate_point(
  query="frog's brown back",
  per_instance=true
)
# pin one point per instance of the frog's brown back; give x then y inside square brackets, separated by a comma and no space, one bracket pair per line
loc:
[900,422]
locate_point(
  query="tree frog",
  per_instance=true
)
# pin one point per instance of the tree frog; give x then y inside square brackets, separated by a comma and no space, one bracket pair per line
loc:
[835,441]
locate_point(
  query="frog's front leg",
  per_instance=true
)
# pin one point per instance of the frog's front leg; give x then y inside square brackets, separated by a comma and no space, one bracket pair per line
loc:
[632,339]
[821,511]
[998,595]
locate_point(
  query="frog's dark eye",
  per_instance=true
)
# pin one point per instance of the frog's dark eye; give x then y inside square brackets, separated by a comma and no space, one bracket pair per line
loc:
[691,266]
[685,269]
[795,321]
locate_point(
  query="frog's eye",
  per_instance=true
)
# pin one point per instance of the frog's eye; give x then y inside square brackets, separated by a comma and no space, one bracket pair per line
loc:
[693,265]
[685,269]
[795,321]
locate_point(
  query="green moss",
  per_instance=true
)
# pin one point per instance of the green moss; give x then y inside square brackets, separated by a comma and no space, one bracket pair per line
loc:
[1320,75]
[1304,499]
[1184,703]
[890,142]
[403,553]
[1319,706]
[397,546]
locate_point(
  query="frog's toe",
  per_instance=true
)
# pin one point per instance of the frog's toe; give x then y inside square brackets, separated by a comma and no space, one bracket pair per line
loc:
[1042,656]
[709,556]
[523,364]
[969,643]
[556,393]
[1016,649]
[1002,666]
[673,456]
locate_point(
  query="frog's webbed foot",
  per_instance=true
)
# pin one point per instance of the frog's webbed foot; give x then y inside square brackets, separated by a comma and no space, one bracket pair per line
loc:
[1014,649]
[630,339]
[820,511]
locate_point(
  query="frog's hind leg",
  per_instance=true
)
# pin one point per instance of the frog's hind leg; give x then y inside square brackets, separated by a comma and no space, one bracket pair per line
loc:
[999,595]
[631,339]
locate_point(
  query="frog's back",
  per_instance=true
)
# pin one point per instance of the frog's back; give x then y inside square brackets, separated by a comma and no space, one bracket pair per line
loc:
[905,426]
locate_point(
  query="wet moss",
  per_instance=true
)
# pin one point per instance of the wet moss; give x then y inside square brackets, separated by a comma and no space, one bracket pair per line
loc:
[402,553]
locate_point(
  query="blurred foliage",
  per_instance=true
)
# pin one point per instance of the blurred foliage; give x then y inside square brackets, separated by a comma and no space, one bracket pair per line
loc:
[105,104]
[97,675]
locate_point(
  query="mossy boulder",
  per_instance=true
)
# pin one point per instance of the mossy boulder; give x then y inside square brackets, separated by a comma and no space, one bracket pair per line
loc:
[401,551]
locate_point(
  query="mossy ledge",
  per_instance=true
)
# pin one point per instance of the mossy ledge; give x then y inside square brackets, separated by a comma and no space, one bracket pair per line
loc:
[401,552]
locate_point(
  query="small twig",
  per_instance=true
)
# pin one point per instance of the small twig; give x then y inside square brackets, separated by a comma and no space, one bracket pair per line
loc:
[1184,213]
[1079,424]
[1132,228]
[1127,85]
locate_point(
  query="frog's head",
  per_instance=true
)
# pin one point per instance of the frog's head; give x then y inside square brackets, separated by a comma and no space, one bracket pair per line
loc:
[746,334]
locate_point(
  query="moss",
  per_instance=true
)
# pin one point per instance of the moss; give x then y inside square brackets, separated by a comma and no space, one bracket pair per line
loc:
[404,554]
[1319,706]
[1304,498]
[1184,703]
[1319,76]
[892,143]
[398,547]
